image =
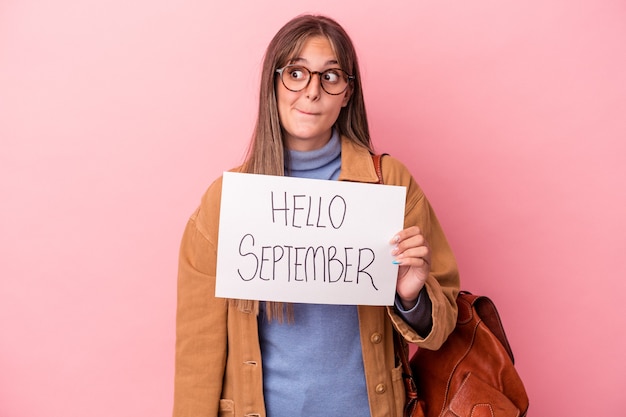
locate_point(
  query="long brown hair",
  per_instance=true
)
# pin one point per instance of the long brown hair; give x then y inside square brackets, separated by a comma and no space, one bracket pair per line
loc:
[266,153]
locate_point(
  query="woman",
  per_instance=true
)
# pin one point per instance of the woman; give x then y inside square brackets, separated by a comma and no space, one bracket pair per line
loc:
[249,358]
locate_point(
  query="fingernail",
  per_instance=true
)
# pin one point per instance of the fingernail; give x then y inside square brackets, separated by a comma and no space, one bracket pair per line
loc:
[396,262]
[394,250]
[395,239]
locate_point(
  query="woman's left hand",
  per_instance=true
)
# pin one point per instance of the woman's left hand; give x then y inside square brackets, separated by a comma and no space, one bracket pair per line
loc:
[412,254]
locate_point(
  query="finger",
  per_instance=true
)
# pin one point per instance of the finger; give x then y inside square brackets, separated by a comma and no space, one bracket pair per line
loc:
[416,241]
[405,234]
[417,252]
[418,261]
[409,262]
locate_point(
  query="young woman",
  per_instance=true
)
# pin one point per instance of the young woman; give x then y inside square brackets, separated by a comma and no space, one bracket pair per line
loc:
[249,358]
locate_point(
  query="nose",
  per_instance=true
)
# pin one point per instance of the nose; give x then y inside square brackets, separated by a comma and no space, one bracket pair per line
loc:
[313,90]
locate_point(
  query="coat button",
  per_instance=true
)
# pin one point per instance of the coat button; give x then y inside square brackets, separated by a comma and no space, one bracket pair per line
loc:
[381,388]
[376,338]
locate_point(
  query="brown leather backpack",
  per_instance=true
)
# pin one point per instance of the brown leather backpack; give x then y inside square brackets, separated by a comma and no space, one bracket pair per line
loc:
[473,373]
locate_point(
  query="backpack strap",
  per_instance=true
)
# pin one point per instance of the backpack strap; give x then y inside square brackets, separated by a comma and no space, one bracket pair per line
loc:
[377,159]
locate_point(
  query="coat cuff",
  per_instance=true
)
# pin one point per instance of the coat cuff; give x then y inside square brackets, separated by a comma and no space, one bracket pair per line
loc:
[419,317]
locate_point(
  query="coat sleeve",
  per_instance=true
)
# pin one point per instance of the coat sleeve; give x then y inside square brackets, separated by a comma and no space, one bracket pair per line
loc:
[200,321]
[442,284]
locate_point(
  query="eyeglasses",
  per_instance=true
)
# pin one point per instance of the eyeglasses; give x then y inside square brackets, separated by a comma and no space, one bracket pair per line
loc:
[296,78]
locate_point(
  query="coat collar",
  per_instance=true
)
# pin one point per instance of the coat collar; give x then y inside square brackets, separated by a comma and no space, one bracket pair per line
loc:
[356,163]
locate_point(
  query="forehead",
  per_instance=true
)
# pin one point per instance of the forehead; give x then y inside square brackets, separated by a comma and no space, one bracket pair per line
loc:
[316,50]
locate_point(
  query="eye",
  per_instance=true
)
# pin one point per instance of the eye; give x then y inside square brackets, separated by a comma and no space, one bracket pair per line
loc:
[297,73]
[332,76]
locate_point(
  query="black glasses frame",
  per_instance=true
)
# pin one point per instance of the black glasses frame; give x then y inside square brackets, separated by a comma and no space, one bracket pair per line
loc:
[280,72]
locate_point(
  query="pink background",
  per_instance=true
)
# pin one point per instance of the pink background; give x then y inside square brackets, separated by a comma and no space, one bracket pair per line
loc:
[115,116]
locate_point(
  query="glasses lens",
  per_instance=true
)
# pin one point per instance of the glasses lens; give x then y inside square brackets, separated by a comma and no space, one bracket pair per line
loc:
[334,81]
[295,78]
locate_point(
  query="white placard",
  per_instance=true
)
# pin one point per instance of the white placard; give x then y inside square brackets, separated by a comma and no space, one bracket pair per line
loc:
[307,241]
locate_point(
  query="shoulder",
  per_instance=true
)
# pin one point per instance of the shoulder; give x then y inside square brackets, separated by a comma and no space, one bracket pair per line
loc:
[396,173]
[213,193]
[394,169]
[207,214]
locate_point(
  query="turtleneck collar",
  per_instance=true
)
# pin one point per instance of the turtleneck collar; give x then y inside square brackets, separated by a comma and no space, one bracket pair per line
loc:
[322,163]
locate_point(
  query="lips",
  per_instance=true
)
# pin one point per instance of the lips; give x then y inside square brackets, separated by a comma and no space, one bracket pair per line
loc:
[308,113]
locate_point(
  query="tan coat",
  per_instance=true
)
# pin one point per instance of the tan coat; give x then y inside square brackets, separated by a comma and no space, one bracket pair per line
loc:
[218,358]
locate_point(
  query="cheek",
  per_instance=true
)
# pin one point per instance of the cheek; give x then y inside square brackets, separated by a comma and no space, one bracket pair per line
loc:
[284,99]
[340,103]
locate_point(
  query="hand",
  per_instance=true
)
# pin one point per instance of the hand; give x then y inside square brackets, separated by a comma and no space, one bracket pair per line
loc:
[412,254]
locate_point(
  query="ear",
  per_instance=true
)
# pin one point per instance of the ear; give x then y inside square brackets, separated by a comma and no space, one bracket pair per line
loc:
[346,97]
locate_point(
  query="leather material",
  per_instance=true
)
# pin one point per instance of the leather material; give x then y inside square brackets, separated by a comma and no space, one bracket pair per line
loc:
[414,406]
[473,373]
